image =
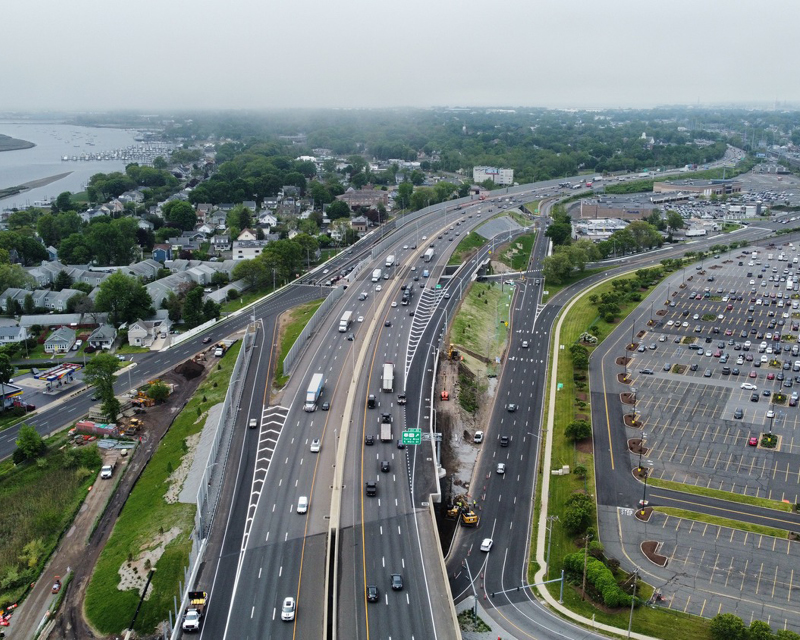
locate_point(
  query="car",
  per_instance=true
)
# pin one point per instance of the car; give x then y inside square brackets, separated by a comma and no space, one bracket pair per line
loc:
[350,337]
[707,373]
[524,344]
[478,437]
[401,444]
[56,585]
[378,288]
[662,338]
[387,323]
[770,376]
[106,471]
[770,414]
[693,366]
[752,441]
[696,316]
[646,372]
[397,582]
[501,468]
[361,318]
[405,247]
[738,414]
[511,407]
[411,313]
[287,610]
[394,303]
[749,386]
[641,349]
[753,397]
[372,593]
[207,339]
[315,445]
[253,423]
[302,504]
[667,366]
[385,466]
[369,440]
[486,545]
[504,441]
[652,346]
[326,406]
[766,392]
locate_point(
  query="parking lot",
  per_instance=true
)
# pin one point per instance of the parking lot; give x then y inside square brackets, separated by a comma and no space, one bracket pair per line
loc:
[707,373]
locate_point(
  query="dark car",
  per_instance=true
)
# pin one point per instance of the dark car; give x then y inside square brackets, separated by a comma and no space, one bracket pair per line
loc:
[207,339]
[397,582]
[754,397]
[738,414]
[385,466]
[503,441]
[401,444]
[326,405]
[369,440]
[388,323]
[372,593]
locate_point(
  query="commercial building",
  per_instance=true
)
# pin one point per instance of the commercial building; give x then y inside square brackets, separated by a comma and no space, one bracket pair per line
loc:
[498,176]
[370,198]
[596,209]
[597,230]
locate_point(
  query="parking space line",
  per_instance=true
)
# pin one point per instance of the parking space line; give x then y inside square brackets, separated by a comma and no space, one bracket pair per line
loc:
[789,594]
[713,569]
[688,600]
[774,581]
[744,573]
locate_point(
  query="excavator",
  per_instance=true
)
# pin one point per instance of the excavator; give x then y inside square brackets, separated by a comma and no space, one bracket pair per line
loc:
[461,511]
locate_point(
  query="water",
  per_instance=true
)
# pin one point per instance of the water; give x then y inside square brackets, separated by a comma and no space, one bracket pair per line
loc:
[54,140]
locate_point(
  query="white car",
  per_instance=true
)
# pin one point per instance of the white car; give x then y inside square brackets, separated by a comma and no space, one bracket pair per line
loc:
[394,303]
[684,324]
[696,316]
[287,611]
[749,386]
[478,437]
[501,468]
[405,247]
[315,445]
[770,414]
[662,338]
[378,288]
[361,318]
[670,323]
[486,545]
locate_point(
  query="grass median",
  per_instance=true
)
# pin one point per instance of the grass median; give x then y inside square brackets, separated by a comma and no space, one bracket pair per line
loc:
[468,245]
[759,529]
[296,321]
[518,252]
[148,521]
[480,325]
[553,289]
[719,494]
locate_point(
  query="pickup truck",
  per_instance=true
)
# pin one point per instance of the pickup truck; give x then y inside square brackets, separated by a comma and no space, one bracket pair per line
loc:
[195,610]
[106,471]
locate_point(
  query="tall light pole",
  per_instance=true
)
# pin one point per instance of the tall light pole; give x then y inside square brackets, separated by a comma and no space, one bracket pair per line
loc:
[646,470]
[641,447]
[633,600]
[550,521]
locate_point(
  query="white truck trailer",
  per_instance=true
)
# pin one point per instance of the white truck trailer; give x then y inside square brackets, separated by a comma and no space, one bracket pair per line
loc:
[344,323]
[376,275]
[314,391]
[387,381]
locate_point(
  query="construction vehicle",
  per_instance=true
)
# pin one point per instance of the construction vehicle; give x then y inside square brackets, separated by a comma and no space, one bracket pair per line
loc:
[461,510]
[469,518]
[452,353]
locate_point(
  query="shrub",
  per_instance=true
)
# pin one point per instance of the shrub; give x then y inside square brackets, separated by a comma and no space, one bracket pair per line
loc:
[578,430]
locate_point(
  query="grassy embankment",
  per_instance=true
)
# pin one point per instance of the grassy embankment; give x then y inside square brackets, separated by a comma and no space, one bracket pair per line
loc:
[533,207]
[553,289]
[517,254]
[147,515]
[571,402]
[468,244]
[728,523]
[721,495]
[298,319]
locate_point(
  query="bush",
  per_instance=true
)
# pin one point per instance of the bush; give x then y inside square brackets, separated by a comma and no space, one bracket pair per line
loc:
[599,576]
[726,626]
[578,430]
[580,470]
[579,513]
[233,294]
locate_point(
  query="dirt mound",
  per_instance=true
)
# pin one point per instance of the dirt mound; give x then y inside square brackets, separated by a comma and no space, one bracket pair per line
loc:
[189,369]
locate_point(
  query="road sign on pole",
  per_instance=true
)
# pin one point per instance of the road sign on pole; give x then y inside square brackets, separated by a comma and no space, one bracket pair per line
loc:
[412,436]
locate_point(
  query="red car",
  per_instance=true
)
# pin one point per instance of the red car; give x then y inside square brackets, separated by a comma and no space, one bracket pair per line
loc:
[753,374]
[770,376]
[753,441]
[207,339]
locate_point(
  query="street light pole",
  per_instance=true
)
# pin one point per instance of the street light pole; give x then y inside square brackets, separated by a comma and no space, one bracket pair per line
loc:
[550,520]
[633,600]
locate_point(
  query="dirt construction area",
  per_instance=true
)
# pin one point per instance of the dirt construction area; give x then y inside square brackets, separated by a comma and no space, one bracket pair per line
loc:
[79,549]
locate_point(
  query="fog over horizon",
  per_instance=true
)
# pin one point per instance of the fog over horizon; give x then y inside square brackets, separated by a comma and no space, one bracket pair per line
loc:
[244,54]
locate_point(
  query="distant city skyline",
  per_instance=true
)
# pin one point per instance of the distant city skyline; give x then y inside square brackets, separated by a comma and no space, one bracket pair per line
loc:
[245,54]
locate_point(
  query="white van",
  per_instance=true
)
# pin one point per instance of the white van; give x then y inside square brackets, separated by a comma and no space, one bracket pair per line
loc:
[302,504]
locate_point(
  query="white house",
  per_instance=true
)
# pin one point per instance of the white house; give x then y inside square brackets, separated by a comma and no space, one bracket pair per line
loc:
[103,337]
[248,249]
[60,341]
[9,335]
[143,333]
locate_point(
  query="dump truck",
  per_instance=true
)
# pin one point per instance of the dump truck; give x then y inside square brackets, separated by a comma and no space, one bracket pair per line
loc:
[313,392]
[344,322]
[387,381]
[194,612]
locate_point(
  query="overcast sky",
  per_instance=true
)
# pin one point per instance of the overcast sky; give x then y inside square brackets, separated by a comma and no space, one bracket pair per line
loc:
[163,54]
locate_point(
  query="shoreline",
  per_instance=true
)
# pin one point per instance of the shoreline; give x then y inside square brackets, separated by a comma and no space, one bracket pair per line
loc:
[7,143]
[9,192]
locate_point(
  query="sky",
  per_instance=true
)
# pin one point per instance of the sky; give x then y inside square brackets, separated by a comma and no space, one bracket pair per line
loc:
[257,54]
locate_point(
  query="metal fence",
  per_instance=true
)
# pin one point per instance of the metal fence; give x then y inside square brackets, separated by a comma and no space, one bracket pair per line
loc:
[308,330]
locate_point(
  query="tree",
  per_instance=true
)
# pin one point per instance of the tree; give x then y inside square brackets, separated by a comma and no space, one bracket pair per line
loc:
[759,630]
[124,297]
[338,209]
[211,310]
[28,305]
[63,281]
[726,626]
[240,217]
[556,268]
[64,201]
[6,369]
[180,214]
[404,191]
[159,163]
[193,307]
[674,220]
[785,634]
[578,430]
[220,278]
[28,248]
[559,232]
[320,194]
[74,250]
[30,443]
[13,275]
[79,303]
[253,272]
[158,391]
[579,513]
[100,373]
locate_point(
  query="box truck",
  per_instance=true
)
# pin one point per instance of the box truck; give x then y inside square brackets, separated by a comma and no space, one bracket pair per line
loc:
[344,323]
[313,393]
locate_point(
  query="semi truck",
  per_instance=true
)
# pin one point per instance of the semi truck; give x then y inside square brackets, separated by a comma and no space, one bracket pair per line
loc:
[389,261]
[376,275]
[344,323]
[313,393]
[387,383]
[194,612]
[428,256]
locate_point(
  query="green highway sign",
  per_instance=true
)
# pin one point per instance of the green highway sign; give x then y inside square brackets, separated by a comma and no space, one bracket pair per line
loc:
[412,436]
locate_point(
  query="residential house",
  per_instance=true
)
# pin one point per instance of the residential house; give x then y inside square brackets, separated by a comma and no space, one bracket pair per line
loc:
[46,273]
[290,191]
[248,249]
[135,196]
[221,243]
[206,229]
[203,209]
[145,270]
[247,234]
[162,288]
[359,224]
[201,274]
[103,337]
[226,206]
[267,219]
[56,319]
[143,333]
[218,219]
[60,341]
[162,252]
[187,241]
[270,203]
[145,224]
[9,335]
[42,298]
[52,253]
[250,204]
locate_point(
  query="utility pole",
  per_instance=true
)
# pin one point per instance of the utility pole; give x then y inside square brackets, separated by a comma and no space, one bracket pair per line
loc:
[633,600]
[585,562]
[550,520]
